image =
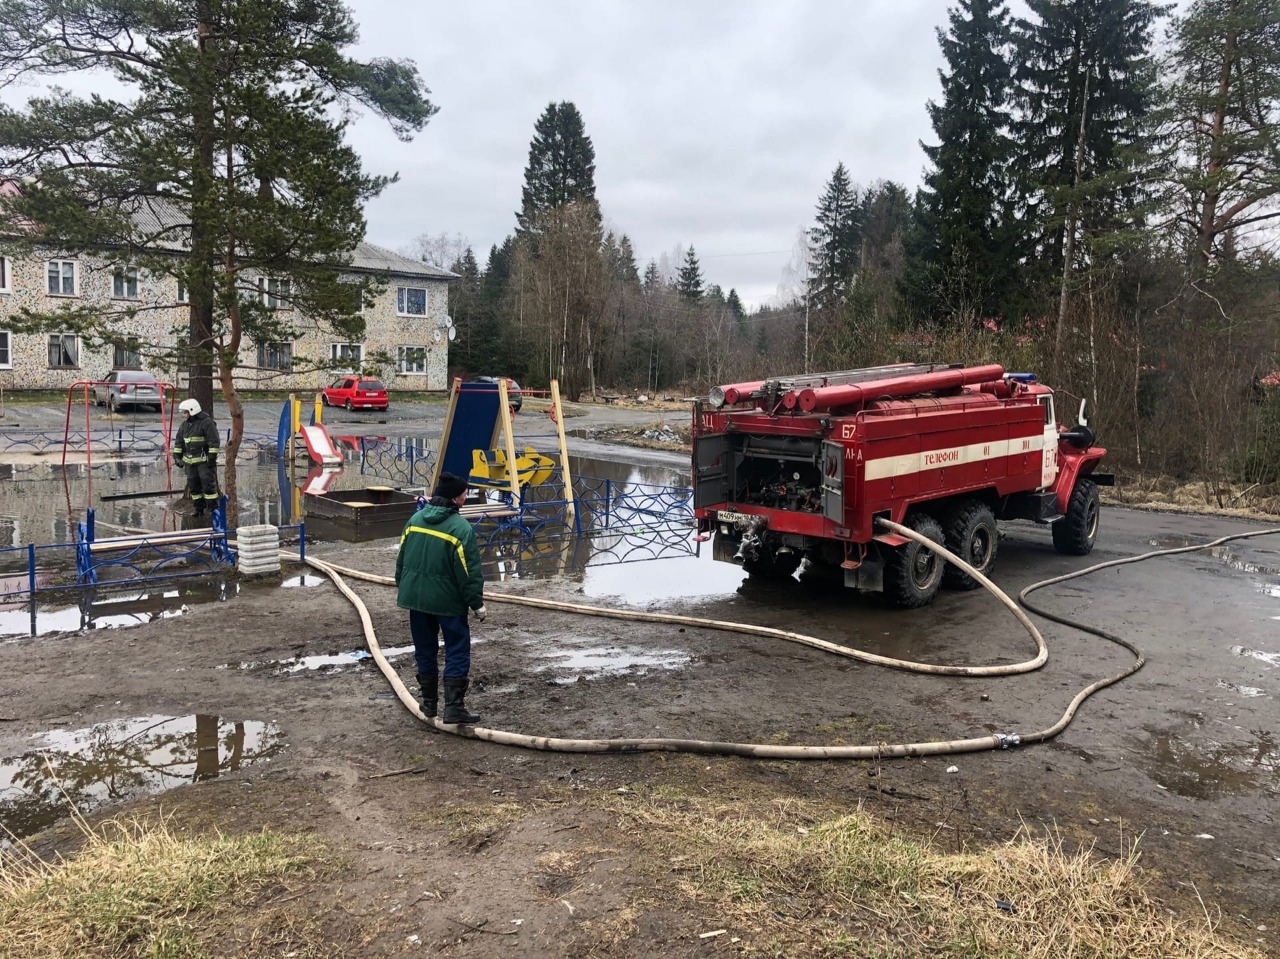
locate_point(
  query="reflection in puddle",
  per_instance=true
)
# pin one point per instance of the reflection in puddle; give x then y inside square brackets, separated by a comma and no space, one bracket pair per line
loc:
[1207,769]
[1242,690]
[1227,555]
[595,662]
[304,580]
[123,759]
[330,661]
[1271,659]
[110,611]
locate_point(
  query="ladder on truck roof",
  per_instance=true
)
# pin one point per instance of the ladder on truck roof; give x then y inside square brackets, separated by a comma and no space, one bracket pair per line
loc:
[846,377]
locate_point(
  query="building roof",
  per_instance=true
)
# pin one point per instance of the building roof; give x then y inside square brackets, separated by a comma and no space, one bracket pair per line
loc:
[165,227]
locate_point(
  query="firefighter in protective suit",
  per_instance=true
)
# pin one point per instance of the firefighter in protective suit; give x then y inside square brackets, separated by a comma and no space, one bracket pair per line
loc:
[196,447]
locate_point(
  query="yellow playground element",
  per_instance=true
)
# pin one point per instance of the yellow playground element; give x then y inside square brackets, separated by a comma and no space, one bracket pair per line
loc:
[489,468]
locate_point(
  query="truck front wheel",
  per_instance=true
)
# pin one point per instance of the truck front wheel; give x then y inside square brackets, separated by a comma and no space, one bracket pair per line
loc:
[1077,531]
[972,535]
[912,572]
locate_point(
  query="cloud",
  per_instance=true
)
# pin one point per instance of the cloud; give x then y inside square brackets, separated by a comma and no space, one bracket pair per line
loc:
[715,125]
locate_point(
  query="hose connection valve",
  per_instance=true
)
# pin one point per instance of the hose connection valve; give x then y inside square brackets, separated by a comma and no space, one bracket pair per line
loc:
[1008,739]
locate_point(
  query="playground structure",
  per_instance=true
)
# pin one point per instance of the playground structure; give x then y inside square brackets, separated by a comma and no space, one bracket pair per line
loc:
[196,551]
[478,442]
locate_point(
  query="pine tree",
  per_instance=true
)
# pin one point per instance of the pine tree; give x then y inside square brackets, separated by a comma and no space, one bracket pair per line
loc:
[233,139]
[626,263]
[961,208]
[652,277]
[834,242]
[1225,121]
[561,170]
[689,282]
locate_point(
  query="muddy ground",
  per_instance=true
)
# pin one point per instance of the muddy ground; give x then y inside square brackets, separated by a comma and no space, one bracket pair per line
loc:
[1183,755]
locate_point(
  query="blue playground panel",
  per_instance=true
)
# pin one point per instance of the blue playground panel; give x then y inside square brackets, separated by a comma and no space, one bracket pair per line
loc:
[475,420]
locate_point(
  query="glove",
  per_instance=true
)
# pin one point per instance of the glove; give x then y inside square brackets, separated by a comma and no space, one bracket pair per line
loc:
[481,613]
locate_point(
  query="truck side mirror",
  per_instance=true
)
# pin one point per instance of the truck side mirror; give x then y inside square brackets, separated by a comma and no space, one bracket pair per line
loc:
[1080,417]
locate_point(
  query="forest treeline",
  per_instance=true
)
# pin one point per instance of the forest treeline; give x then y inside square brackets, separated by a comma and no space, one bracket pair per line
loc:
[1099,206]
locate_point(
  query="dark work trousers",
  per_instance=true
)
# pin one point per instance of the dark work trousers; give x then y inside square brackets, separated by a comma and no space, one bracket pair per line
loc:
[425,628]
[202,480]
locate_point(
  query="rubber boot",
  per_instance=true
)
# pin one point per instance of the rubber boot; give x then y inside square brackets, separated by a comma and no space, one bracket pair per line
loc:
[455,710]
[429,684]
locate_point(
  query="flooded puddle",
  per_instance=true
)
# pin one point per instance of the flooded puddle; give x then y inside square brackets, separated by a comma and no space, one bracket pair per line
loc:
[595,662]
[1271,659]
[120,760]
[98,610]
[1246,691]
[325,661]
[1226,554]
[1191,762]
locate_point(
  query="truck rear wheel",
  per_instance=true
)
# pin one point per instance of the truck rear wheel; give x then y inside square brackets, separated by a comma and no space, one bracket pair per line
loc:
[973,536]
[1077,531]
[913,573]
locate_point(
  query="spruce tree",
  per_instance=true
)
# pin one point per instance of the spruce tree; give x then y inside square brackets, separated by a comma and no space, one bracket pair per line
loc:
[834,242]
[652,277]
[962,227]
[561,170]
[689,282]
[1086,95]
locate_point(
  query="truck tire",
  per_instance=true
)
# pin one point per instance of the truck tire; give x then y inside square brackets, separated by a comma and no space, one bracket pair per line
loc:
[972,535]
[913,573]
[1077,531]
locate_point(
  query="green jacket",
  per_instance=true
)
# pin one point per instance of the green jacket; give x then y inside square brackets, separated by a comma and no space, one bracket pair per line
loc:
[438,566]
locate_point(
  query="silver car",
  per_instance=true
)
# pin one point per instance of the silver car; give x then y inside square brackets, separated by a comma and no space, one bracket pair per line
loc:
[127,388]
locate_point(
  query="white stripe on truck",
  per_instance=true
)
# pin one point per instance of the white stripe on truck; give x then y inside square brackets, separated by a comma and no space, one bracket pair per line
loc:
[885,467]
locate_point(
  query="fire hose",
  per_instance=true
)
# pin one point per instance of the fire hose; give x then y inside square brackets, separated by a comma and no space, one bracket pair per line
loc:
[769,750]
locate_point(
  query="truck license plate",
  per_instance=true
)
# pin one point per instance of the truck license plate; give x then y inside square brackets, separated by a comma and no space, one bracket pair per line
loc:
[731,516]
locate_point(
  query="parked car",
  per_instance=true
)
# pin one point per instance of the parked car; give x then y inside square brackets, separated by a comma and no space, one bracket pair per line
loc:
[122,388]
[514,396]
[356,393]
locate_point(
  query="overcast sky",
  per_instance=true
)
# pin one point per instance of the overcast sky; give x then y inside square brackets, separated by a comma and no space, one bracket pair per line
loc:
[715,124]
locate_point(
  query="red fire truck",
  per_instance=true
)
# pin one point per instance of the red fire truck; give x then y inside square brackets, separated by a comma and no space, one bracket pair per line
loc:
[803,467]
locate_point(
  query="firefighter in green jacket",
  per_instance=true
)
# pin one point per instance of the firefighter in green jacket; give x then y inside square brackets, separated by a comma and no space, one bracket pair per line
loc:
[439,578]
[195,448]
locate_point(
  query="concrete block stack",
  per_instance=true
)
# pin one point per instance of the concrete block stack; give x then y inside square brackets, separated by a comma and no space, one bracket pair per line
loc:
[258,549]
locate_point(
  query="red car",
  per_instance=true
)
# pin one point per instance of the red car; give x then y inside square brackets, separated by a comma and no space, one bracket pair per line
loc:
[356,393]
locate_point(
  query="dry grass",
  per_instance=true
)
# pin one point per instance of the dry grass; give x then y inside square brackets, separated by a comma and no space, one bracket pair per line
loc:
[140,889]
[1222,499]
[474,824]
[796,879]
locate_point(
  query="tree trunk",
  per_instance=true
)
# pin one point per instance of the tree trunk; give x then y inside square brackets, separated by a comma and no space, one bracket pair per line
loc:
[200,324]
[1069,237]
[1212,192]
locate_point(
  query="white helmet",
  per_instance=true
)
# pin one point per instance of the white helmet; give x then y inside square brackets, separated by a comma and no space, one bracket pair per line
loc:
[190,407]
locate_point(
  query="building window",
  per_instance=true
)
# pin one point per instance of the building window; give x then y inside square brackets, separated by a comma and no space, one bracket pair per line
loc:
[183,295]
[4,275]
[411,301]
[350,356]
[275,293]
[64,351]
[6,358]
[124,284]
[62,277]
[275,356]
[357,300]
[126,358]
[411,360]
